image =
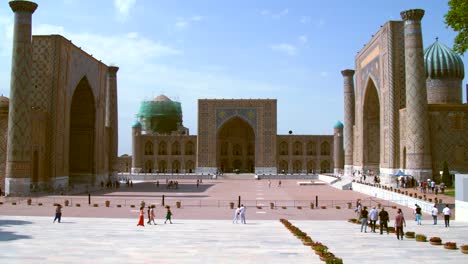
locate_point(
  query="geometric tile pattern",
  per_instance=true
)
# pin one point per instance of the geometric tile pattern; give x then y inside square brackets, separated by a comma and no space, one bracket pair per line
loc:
[348,115]
[417,127]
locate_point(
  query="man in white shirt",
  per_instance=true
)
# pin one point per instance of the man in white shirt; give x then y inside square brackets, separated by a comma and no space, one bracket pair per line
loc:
[242,214]
[434,213]
[236,215]
[373,215]
[446,213]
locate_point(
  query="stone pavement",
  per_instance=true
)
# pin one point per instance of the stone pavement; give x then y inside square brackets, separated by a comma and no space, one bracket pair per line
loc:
[118,240]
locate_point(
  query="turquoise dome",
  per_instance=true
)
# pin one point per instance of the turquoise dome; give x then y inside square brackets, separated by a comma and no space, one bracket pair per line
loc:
[338,125]
[442,62]
[136,124]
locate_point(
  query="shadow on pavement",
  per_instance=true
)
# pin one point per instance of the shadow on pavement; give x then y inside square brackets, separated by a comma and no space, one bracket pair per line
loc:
[9,236]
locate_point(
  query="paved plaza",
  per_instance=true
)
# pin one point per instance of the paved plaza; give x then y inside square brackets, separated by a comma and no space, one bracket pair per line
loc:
[203,230]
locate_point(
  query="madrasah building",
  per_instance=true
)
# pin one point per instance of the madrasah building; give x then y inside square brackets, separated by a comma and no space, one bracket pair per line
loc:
[403,110]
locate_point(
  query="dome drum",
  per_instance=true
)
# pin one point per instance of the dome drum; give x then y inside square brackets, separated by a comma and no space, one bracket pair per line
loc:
[444,91]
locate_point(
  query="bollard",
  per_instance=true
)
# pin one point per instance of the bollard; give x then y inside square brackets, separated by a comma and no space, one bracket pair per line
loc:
[316,200]
[163,200]
[89,198]
[239,202]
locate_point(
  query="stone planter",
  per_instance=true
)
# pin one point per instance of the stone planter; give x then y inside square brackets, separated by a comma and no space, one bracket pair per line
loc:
[435,243]
[272,205]
[349,205]
[66,203]
[312,205]
[450,245]
[231,205]
[107,203]
[29,201]
[178,204]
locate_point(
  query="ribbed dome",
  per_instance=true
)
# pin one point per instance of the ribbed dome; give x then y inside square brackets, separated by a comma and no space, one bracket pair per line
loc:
[442,62]
[338,125]
[162,98]
[136,124]
[4,103]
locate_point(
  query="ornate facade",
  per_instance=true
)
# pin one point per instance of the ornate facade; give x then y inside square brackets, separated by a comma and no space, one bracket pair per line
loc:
[405,111]
[63,102]
[233,135]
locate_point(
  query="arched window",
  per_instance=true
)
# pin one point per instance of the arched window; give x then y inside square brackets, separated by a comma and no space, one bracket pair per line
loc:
[250,150]
[311,167]
[175,148]
[189,166]
[149,166]
[325,166]
[283,166]
[283,148]
[297,166]
[237,150]
[311,148]
[325,149]
[189,148]
[162,149]
[298,148]
[175,166]
[149,148]
[162,166]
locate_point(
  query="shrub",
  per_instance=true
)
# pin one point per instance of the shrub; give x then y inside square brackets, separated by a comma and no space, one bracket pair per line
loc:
[95,205]
[421,238]
[464,247]
[334,260]
[450,245]
[323,207]
[338,207]
[409,234]
[284,207]
[119,205]
[299,207]
[77,205]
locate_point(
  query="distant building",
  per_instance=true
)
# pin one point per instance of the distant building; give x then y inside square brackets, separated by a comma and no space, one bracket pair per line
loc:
[233,135]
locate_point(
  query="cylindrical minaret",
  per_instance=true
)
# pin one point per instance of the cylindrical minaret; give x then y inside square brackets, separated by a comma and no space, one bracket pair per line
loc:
[18,166]
[111,117]
[136,149]
[338,153]
[418,150]
[348,120]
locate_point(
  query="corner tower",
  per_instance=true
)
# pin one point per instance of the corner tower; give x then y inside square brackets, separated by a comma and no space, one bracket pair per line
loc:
[338,153]
[417,123]
[348,85]
[19,164]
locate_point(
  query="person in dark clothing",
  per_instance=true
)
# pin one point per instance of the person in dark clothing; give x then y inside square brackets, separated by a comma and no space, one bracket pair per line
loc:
[383,215]
[363,216]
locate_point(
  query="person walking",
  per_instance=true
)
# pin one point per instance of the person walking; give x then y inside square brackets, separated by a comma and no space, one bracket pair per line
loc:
[434,213]
[269,183]
[236,215]
[447,212]
[242,214]
[141,218]
[417,212]
[363,217]
[383,215]
[58,213]
[374,216]
[149,214]
[152,215]
[399,223]
[168,215]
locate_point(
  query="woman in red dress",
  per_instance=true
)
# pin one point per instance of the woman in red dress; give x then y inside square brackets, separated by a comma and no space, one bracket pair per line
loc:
[142,217]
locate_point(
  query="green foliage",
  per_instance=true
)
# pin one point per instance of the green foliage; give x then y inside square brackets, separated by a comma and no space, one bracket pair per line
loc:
[457,19]
[446,177]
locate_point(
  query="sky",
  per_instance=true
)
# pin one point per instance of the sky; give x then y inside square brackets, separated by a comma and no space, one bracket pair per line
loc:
[292,51]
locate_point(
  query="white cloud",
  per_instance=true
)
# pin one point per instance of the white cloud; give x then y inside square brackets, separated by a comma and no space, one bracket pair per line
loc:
[183,23]
[278,15]
[123,7]
[305,20]
[285,48]
[303,39]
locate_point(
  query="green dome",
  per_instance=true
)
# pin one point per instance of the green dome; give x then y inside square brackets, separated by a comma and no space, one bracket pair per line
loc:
[442,62]
[160,115]
[136,124]
[338,125]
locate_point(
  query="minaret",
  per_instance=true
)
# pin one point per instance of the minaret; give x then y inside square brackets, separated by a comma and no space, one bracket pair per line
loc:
[136,149]
[18,165]
[418,150]
[338,153]
[111,116]
[348,120]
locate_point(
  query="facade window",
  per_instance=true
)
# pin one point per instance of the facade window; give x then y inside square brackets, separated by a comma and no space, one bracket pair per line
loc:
[325,149]
[175,148]
[149,148]
[283,148]
[298,148]
[189,148]
[311,148]
[237,150]
[162,149]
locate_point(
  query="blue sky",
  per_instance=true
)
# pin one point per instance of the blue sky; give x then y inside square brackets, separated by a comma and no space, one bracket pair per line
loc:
[292,51]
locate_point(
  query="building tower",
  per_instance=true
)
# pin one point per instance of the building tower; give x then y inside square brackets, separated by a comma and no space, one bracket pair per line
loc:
[111,117]
[417,126]
[338,153]
[18,165]
[137,164]
[348,120]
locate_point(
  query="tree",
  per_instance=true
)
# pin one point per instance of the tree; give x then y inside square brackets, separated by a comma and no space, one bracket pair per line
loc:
[457,19]
[446,177]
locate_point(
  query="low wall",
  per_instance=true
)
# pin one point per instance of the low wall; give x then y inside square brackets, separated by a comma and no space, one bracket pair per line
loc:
[328,179]
[461,197]
[394,197]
